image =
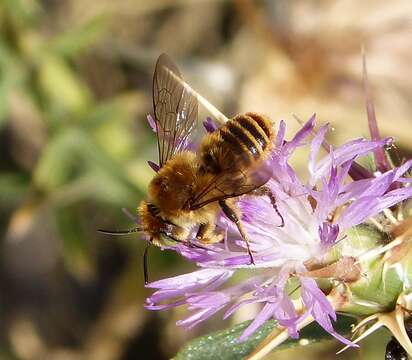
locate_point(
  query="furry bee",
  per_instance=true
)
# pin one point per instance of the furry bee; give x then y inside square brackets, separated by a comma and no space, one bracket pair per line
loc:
[191,187]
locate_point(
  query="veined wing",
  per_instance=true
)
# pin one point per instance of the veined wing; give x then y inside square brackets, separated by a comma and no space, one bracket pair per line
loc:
[175,107]
[229,184]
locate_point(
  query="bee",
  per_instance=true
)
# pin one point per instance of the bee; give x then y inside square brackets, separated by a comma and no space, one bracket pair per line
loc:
[192,187]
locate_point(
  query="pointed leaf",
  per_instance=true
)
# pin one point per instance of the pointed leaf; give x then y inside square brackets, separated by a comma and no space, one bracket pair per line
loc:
[223,345]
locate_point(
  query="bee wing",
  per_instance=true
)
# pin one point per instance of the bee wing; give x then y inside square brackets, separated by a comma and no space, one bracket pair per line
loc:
[231,183]
[175,107]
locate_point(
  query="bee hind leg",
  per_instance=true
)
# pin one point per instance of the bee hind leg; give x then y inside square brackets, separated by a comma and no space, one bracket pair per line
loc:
[207,234]
[232,215]
[266,191]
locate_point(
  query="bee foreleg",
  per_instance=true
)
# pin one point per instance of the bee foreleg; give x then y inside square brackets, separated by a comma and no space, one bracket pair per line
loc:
[233,216]
[180,232]
[208,235]
[266,191]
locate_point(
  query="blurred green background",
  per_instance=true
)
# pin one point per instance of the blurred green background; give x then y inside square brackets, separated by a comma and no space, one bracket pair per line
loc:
[75,88]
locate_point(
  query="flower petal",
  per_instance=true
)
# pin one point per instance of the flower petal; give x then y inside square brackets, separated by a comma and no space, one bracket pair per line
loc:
[210,125]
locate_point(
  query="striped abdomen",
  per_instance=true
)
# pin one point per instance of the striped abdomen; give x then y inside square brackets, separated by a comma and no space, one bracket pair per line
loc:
[242,142]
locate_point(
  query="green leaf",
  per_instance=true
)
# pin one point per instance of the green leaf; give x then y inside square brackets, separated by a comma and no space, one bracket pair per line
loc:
[223,345]
[80,38]
[13,187]
[59,158]
[75,252]
[12,75]
[63,88]
[22,12]
[73,167]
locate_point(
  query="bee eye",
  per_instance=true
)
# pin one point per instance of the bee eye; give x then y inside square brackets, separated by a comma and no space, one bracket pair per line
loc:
[153,209]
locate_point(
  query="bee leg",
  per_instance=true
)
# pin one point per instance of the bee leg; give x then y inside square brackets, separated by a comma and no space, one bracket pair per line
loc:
[145,267]
[207,234]
[176,233]
[232,216]
[180,232]
[265,191]
[179,235]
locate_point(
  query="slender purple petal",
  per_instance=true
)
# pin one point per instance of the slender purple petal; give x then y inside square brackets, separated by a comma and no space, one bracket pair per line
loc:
[315,147]
[210,125]
[320,308]
[197,278]
[298,139]
[131,216]
[152,123]
[280,136]
[265,314]
[208,299]
[154,166]
[348,151]
[328,234]
[197,317]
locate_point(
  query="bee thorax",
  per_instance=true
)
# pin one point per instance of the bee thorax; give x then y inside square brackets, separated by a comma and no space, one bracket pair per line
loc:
[173,186]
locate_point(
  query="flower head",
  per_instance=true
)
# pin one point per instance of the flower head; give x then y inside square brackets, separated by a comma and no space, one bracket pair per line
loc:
[310,218]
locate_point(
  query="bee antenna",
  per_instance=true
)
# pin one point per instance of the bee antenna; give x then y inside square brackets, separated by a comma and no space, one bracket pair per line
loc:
[119,232]
[145,267]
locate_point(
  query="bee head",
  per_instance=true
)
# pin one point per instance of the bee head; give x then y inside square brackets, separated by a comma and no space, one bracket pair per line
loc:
[153,224]
[149,217]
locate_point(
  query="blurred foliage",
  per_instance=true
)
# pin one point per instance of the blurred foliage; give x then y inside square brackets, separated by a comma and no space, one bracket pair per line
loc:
[75,82]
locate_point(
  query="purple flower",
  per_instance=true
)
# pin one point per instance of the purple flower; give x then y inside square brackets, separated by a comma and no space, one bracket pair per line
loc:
[317,213]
